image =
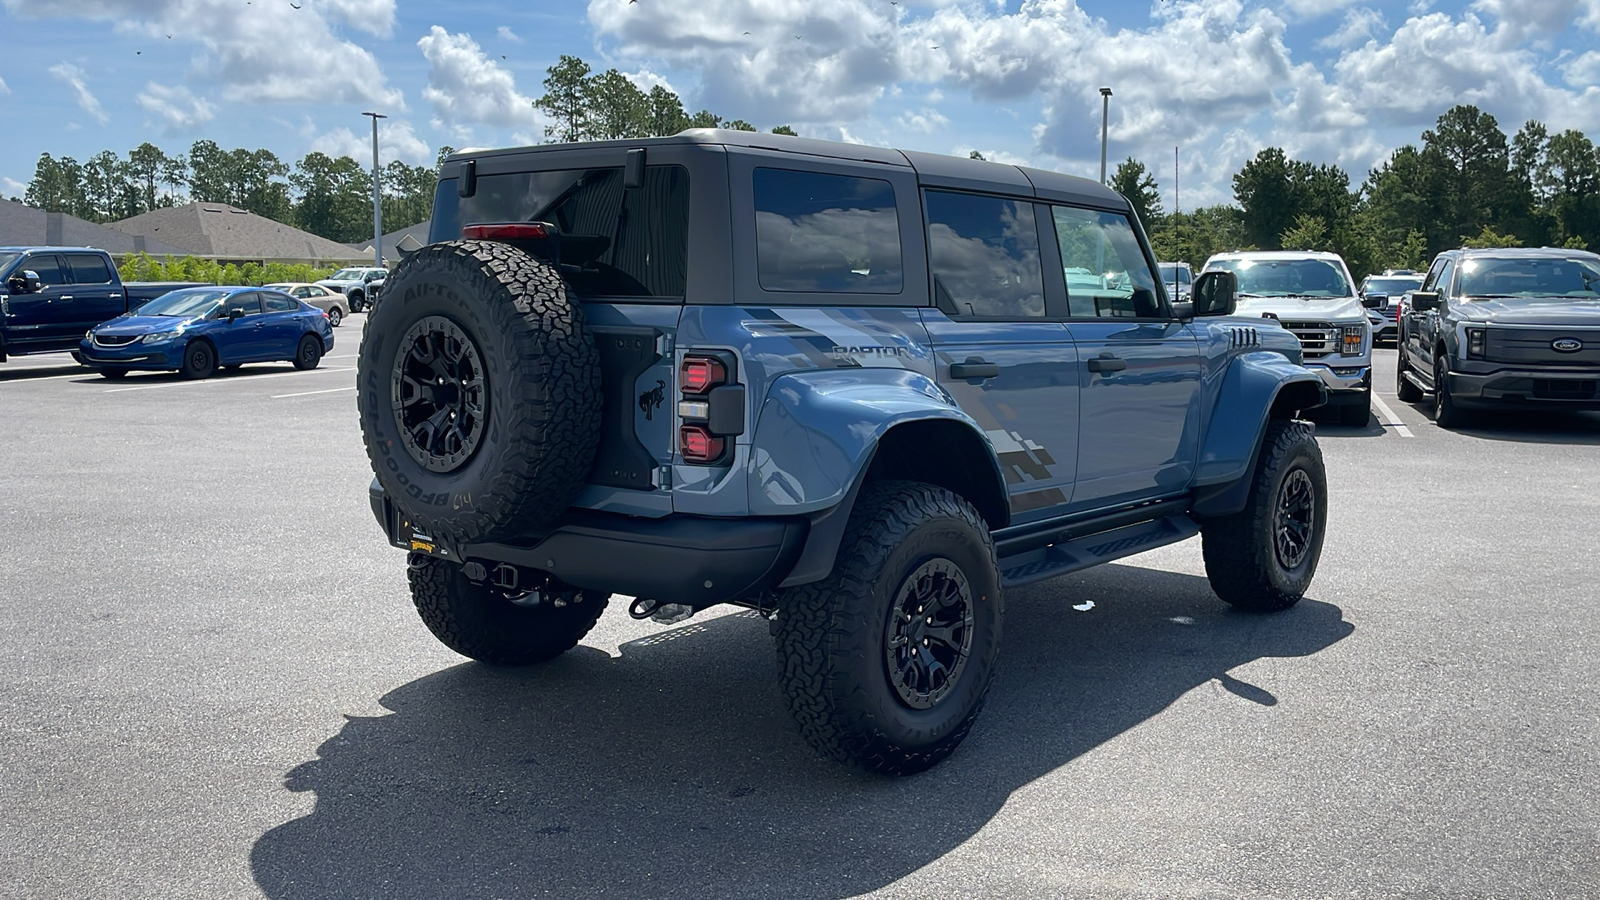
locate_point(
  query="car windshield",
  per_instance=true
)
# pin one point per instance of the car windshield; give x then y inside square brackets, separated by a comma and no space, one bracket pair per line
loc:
[6,259]
[1171,273]
[196,302]
[1490,277]
[1287,277]
[1392,285]
[346,275]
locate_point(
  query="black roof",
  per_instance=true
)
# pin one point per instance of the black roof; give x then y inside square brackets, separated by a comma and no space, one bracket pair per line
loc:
[1519,252]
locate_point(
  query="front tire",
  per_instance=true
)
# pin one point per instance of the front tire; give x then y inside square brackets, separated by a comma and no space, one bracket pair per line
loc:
[481,623]
[1446,412]
[357,302]
[199,360]
[1262,558]
[1356,415]
[887,661]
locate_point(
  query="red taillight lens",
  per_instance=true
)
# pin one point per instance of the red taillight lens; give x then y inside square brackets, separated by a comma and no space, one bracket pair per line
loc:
[505,231]
[700,374]
[698,445]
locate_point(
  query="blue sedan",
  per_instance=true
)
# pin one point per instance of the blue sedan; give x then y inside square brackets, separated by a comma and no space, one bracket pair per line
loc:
[196,330]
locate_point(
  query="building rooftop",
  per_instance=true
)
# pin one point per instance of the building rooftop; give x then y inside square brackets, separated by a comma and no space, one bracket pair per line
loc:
[226,232]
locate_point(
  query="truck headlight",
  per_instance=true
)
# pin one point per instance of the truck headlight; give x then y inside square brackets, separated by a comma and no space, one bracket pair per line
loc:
[160,337]
[1354,336]
[1477,342]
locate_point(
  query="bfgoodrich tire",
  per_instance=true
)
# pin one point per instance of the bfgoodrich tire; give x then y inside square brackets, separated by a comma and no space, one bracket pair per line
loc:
[1262,558]
[887,661]
[479,622]
[479,391]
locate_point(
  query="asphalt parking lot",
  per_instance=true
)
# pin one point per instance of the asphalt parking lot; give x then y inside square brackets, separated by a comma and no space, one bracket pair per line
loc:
[212,684]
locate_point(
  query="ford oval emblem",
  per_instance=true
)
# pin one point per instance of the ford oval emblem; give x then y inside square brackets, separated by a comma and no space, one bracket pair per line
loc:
[1566,345]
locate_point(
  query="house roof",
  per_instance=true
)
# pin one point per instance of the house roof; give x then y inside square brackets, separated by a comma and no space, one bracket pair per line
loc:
[398,243]
[227,232]
[25,226]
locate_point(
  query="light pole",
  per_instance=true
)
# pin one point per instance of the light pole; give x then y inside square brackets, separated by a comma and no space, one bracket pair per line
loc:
[1105,113]
[377,196]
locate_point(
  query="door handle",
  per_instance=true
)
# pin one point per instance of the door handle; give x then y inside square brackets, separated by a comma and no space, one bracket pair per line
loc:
[1105,362]
[64,297]
[974,368]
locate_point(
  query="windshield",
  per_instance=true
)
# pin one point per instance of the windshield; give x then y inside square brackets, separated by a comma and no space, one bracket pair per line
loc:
[346,275]
[1491,277]
[196,302]
[6,259]
[1171,273]
[1287,277]
[1392,286]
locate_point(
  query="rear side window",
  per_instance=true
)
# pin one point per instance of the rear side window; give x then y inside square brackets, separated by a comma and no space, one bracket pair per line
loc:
[832,234]
[984,253]
[88,268]
[279,303]
[612,242]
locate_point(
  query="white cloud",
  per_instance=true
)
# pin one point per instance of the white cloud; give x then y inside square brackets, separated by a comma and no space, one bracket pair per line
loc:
[13,187]
[396,140]
[1584,70]
[1358,27]
[1521,19]
[1311,9]
[927,121]
[76,79]
[4,88]
[506,34]
[178,109]
[466,87]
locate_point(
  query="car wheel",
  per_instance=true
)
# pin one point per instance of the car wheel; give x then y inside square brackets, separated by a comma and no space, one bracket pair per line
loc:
[1356,415]
[1262,558]
[483,623]
[335,316]
[113,374]
[886,662]
[1446,413]
[1404,387]
[199,360]
[480,395]
[357,302]
[308,353]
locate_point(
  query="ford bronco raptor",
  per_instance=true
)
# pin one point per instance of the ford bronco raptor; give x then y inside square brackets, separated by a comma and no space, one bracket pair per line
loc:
[861,391]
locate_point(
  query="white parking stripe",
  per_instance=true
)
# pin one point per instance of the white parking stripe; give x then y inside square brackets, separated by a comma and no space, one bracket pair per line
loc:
[246,380]
[309,393]
[1393,420]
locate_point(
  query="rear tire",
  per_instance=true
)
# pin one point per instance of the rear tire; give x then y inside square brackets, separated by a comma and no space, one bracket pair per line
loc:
[481,623]
[1262,558]
[308,353]
[113,374]
[887,661]
[335,316]
[199,360]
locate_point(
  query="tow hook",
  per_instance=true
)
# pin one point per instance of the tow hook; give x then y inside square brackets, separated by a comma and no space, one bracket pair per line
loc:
[643,608]
[661,613]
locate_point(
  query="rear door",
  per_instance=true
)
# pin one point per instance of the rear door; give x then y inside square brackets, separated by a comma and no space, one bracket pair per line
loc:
[1137,366]
[1008,362]
[284,321]
[96,293]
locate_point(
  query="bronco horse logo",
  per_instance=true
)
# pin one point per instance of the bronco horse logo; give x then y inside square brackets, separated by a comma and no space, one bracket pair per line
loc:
[651,400]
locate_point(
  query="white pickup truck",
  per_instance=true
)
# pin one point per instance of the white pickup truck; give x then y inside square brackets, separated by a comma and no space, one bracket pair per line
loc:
[1312,294]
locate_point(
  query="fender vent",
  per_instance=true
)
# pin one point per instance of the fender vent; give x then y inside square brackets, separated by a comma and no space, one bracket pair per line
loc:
[1243,337]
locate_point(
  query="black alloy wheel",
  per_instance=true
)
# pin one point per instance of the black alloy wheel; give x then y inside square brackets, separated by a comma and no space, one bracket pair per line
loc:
[308,352]
[929,633]
[199,360]
[1446,412]
[1295,520]
[439,393]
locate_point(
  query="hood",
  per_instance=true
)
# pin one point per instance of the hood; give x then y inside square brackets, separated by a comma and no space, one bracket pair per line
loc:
[1333,309]
[143,324]
[1529,311]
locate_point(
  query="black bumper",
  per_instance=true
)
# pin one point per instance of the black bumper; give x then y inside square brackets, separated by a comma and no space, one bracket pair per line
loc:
[694,560]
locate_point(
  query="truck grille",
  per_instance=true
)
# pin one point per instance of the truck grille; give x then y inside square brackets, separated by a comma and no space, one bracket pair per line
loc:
[1563,390]
[1317,339]
[114,340]
[1532,346]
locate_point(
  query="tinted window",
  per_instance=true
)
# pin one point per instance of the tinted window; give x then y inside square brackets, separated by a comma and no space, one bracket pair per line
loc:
[1528,278]
[984,253]
[249,301]
[614,242]
[88,269]
[1391,286]
[276,302]
[47,267]
[1288,277]
[819,233]
[1106,271]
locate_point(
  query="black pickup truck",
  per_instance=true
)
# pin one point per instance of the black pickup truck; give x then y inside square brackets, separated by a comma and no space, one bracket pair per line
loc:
[50,296]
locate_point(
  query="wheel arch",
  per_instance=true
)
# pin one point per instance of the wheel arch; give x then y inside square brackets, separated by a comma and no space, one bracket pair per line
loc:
[1258,388]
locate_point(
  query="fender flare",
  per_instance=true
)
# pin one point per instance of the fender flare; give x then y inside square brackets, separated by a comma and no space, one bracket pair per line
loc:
[1255,388]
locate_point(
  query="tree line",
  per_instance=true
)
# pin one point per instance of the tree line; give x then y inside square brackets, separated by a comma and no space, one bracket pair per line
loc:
[325,195]
[1465,184]
[585,106]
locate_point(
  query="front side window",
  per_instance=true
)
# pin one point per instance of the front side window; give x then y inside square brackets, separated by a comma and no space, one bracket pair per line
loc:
[47,266]
[249,302]
[612,242]
[1105,267]
[984,253]
[1525,278]
[821,233]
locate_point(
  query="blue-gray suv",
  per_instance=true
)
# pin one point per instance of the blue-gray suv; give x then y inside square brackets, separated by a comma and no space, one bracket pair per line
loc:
[861,391]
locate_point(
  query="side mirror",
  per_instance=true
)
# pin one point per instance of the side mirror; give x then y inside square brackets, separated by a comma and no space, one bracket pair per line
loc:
[1182,310]
[235,313]
[1375,301]
[25,282]
[1214,294]
[1422,301]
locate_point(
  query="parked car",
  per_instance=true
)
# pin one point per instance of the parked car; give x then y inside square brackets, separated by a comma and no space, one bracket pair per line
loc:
[329,301]
[1503,328]
[49,295]
[1382,295]
[355,283]
[198,330]
[1178,278]
[1312,295]
[861,391]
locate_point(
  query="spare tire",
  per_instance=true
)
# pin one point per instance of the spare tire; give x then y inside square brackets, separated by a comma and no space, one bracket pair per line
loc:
[479,391]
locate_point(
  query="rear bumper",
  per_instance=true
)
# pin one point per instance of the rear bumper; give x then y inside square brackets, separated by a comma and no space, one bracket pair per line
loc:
[1570,388]
[694,560]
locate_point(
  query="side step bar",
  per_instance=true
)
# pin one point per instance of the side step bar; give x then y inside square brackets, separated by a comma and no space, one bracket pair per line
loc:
[1068,556]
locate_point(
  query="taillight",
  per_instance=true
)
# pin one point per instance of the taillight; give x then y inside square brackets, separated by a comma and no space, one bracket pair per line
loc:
[699,445]
[710,408]
[506,231]
[699,374]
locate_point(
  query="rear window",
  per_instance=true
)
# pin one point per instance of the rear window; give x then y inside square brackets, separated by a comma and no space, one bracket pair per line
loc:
[819,233]
[613,242]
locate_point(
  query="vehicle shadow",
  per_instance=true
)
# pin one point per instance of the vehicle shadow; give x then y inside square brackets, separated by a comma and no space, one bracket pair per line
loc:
[674,769]
[13,372]
[1525,426]
[132,379]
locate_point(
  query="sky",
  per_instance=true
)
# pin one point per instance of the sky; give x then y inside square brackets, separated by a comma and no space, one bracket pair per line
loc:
[1330,81]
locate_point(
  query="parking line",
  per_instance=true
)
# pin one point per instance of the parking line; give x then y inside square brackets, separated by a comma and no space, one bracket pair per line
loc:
[1393,420]
[309,393]
[247,380]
